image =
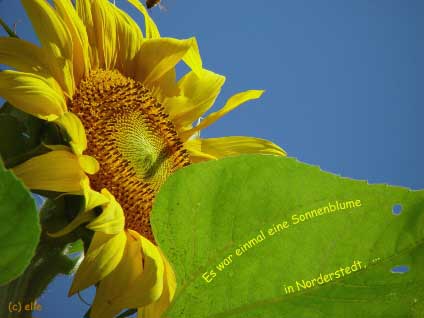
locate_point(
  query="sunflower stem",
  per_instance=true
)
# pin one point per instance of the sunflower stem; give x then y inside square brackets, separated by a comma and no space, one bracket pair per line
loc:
[45,266]
[8,29]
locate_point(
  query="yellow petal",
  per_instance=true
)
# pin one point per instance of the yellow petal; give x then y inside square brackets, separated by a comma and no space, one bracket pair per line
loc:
[198,94]
[166,86]
[152,31]
[74,128]
[55,38]
[32,94]
[127,271]
[84,12]
[148,287]
[111,220]
[57,171]
[105,31]
[231,104]
[215,148]
[118,37]
[23,56]
[158,56]
[131,285]
[103,255]
[81,56]
[156,309]
[129,40]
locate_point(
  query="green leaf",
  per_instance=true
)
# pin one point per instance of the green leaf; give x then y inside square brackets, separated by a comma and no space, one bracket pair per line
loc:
[206,212]
[19,226]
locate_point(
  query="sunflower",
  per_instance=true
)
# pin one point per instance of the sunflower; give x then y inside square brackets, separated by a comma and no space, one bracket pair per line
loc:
[129,123]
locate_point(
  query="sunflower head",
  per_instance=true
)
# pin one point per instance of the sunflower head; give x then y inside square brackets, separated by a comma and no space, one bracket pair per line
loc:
[128,124]
[133,139]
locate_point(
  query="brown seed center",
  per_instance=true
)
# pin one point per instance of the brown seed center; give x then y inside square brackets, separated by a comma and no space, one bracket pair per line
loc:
[132,138]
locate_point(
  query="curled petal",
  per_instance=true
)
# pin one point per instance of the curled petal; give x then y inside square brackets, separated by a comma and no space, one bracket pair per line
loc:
[89,164]
[92,198]
[111,220]
[193,58]
[198,94]
[158,56]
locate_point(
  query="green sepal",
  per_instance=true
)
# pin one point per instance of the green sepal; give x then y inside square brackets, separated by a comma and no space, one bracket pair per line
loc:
[8,30]
[20,135]
[75,247]
[23,136]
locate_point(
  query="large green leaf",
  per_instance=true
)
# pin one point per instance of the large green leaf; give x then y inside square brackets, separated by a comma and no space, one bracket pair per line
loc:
[19,226]
[206,212]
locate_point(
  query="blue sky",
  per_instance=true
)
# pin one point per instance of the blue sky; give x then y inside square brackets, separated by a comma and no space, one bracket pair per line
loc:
[341,78]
